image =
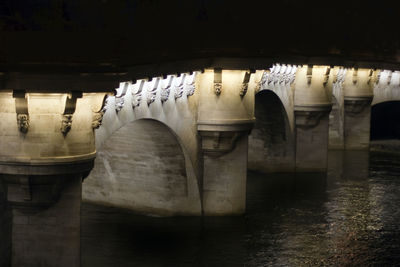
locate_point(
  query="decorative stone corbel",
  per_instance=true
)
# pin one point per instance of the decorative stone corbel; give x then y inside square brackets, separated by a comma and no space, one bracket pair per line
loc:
[326,76]
[274,75]
[179,86]
[120,96]
[309,74]
[370,77]
[191,84]
[219,137]
[356,105]
[245,83]
[166,88]
[137,94]
[389,77]
[355,75]
[259,82]
[378,76]
[69,109]
[152,90]
[98,114]
[217,81]
[21,108]
[307,117]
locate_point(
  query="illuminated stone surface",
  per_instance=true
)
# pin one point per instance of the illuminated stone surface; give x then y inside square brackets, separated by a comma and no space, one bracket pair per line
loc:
[171,145]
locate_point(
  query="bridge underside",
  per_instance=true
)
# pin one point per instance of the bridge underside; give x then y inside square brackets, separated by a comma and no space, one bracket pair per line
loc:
[168,144]
[177,99]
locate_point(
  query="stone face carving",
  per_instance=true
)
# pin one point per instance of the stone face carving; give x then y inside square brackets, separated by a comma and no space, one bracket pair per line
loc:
[98,116]
[283,75]
[190,84]
[23,122]
[69,110]
[217,81]
[166,88]
[245,84]
[152,90]
[119,103]
[21,108]
[326,76]
[340,76]
[120,96]
[66,123]
[243,89]
[337,85]
[217,88]
[137,93]
[309,74]
[97,119]
[378,77]
[258,87]
[355,75]
[371,77]
[179,86]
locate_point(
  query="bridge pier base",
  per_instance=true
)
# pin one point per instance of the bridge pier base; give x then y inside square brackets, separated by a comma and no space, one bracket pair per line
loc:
[358,94]
[312,130]
[45,204]
[357,120]
[225,168]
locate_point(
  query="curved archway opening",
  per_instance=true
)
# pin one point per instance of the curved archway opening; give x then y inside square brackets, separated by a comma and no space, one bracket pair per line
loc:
[385,121]
[271,143]
[142,167]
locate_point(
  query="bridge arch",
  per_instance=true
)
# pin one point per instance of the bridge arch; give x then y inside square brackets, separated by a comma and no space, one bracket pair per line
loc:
[271,143]
[147,157]
[385,122]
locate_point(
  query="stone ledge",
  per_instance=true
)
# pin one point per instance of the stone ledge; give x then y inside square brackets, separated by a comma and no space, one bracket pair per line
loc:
[48,167]
[225,125]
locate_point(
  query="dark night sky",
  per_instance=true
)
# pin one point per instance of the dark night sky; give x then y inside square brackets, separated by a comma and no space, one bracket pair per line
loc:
[147,30]
[131,32]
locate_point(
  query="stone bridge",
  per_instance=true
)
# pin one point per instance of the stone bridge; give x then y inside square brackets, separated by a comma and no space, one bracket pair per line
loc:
[172,144]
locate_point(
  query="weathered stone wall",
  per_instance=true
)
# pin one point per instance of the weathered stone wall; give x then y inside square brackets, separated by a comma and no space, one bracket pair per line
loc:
[181,114]
[176,118]
[229,105]
[312,147]
[357,129]
[224,189]
[142,167]
[224,121]
[271,144]
[44,141]
[48,236]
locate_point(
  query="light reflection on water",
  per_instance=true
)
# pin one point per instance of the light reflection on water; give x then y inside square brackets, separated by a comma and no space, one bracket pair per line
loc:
[348,218]
[345,218]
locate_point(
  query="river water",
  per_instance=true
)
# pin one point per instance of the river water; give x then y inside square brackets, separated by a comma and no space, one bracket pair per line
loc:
[349,217]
